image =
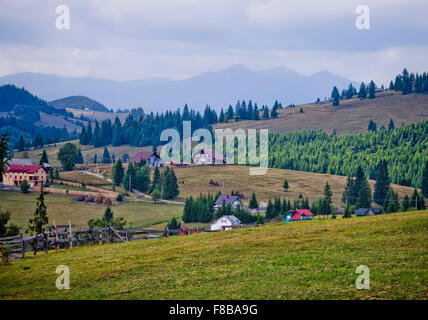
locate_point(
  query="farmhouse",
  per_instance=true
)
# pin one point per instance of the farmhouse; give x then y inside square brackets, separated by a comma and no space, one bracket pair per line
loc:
[205,156]
[233,201]
[15,174]
[225,223]
[152,158]
[362,212]
[297,215]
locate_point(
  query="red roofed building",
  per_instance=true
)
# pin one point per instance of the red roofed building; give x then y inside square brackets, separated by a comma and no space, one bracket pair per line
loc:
[15,174]
[152,158]
[297,215]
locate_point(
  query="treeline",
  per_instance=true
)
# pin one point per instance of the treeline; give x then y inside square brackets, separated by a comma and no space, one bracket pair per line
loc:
[403,148]
[146,130]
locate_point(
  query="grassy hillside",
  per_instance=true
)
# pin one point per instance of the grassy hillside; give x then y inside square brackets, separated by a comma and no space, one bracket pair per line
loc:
[311,185]
[63,208]
[87,151]
[78,102]
[352,116]
[304,260]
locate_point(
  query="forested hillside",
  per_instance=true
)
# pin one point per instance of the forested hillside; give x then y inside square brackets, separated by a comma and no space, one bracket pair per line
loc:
[78,102]
[404,149]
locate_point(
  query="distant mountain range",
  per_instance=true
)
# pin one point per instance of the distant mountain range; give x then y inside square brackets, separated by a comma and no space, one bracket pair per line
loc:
[217,89]
[78,102]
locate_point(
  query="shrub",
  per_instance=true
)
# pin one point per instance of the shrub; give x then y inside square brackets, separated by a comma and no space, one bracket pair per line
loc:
[99,199]
[25,186]
[108,202]
[80,198]
[89,199]
[119,197]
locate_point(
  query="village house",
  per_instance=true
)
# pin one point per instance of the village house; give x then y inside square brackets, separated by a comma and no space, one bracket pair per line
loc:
[152,159]
[233,201]
[15,174]
[226,223]
[363,212]
[207,157]
[261,209]
[297,215]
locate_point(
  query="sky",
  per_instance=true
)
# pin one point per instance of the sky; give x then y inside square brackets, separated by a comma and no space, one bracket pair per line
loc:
[137,39]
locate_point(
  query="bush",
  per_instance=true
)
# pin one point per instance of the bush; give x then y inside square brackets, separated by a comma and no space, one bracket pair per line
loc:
[89,199]
[108,202]
[80,198]
[99,199]
[25,186]
[119,197]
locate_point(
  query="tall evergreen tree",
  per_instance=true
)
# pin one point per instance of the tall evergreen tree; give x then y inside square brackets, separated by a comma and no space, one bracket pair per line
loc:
[364,195]
[362,94]
[382,184]
[79,157]
[270,210]
[118,172]
[21,144]
[406,203]
[129,180]
[44,158]
[372,90]
[424,185]
[335,96]
[372,126]
[106,156]
[392,204]
[253,204]
[38,224]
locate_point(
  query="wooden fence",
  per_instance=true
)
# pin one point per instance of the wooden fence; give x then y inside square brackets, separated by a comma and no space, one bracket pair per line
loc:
[64,237]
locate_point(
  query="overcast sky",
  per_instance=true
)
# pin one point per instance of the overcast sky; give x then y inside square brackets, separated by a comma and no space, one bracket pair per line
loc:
[125,40]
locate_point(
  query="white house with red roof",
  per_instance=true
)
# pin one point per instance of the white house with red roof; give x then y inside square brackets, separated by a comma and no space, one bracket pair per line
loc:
[15,174]
[297,215]
[152,158]
[208,156]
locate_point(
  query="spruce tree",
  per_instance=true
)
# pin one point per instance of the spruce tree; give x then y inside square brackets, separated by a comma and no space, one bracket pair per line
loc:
[277,206]
[364,195]
[106,156]
[362,94]
[270,210]
[335,96]
[406,203]
[372,90]
[285,185]
[424,185]
[118,172]
[44,158]
[392,204]
[382,184]
[129,180]
[39,223]
[253,204]
[156,179]
[391,125]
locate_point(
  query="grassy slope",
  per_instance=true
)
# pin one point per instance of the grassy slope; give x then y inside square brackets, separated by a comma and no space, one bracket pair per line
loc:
[87,152]
[352,116]
[267,186]
[63,208]
[306,260]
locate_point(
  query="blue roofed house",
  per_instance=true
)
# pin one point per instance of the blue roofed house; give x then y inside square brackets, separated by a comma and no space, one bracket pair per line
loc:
[233,201]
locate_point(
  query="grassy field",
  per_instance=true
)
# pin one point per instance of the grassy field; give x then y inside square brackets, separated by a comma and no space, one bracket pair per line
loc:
[352,116]
[266,187]
[64,208]
[88,152]
[304,260]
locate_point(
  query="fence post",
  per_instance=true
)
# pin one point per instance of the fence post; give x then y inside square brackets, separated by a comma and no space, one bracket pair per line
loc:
[111,234]
[126,234]
[167,231]
[35,244]
[56,236]
[100,237]
[70,234]
[45,242]
[91,236]
[22,245]
[78,237]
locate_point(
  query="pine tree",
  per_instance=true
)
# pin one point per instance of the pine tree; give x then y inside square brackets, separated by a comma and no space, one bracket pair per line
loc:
[326,204]
[24,186]
[117,172]
[44,158]
[129,180]
[21,144]
[392,204]
[391,125]
[106,156]
[285,185]
[372,126]
[156,183]
[187,211]
[335,96]
[253,204]
[406,203]
[362,94]
[39,223]
[372,90]
[170,185]
[277,206]
[424,185]
[108,215]
[270,211]
[274,112]
[79,157]
[382,184]
[364,195]
[284,207]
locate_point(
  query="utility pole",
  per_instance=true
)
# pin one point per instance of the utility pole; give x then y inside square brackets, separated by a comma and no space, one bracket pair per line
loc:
[130,182]
[416,203]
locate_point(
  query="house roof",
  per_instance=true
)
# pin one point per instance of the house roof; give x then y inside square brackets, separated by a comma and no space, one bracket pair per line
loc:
[296,214]
[361,211]
[143,155]
[23,168]
[226,199]
[21,161]
[233,220]
[212,152]
[377,210]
